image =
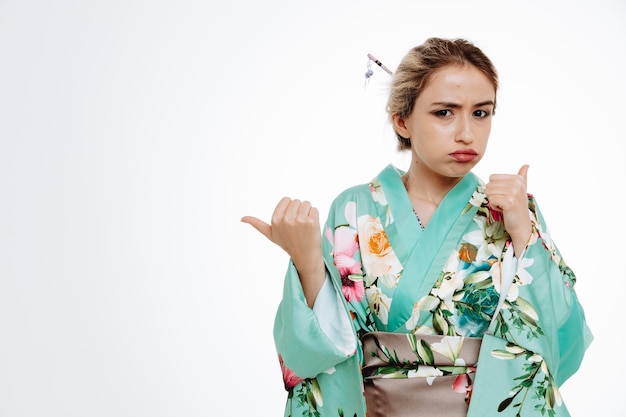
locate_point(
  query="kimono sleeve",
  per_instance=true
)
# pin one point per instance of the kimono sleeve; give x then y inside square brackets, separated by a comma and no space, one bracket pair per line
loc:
[539,340]
[303,341]
[574,338]
[547,283]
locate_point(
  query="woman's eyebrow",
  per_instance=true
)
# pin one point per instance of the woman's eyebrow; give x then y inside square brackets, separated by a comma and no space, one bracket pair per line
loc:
[457,105]
[446,104]
[485,103]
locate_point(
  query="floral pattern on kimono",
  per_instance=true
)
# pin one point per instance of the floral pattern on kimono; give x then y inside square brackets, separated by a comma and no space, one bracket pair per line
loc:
[443,280]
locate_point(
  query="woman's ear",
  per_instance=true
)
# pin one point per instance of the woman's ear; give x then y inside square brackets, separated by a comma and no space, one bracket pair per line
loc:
[399,125]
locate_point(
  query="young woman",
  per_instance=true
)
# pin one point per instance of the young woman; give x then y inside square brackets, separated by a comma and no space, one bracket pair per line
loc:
[465,272]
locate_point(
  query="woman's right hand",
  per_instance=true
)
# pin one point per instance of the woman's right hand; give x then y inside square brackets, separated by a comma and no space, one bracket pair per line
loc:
[295,227]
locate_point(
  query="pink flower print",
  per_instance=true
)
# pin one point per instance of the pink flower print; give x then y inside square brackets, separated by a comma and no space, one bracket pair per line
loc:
[346,241]
[290,378]
[347,265]
[463,384]
[346,244]
[352,290]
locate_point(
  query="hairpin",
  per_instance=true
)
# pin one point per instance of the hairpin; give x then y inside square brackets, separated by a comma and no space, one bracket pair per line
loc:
[370,72]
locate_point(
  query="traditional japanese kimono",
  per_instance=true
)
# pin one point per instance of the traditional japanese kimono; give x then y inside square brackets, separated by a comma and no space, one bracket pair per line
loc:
[386,273]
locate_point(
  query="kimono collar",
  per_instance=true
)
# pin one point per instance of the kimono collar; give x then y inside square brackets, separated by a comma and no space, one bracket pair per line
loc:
[402,208]
[423,253]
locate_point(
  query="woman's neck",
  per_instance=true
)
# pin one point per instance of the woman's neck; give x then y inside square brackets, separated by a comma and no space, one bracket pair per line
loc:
[429,188]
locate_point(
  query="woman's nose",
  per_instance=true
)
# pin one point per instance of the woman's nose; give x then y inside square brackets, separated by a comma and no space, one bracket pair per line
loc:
[465,132]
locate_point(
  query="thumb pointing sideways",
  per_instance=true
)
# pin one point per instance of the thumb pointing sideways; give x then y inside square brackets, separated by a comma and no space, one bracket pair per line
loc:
[523,172]
[264,228]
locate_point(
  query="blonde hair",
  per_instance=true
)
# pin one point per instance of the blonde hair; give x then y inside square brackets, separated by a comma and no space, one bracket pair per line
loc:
[420,63]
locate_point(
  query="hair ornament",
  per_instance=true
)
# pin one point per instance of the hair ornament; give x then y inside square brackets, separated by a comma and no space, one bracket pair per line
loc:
[370,72]
[380,64]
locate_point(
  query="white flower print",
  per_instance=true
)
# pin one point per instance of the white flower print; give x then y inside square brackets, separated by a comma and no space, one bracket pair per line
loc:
[522,277]
[449,286]
[377,193]
[426,303]
[427,371]
[488,239]
[379,258]
[450,348]
[478,198]
[379,303]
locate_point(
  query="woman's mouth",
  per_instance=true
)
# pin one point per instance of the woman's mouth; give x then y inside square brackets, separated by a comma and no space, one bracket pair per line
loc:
[464,155]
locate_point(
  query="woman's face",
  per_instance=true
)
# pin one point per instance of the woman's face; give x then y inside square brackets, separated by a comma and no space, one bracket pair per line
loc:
[450,123]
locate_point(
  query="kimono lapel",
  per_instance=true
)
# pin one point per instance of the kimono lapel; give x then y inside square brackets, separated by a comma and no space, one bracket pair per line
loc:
[423,253]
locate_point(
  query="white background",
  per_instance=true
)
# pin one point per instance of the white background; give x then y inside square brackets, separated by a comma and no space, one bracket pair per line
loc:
[135,134]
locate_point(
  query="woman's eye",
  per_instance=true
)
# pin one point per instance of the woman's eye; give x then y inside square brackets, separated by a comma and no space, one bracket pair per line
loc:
[481,113]
[443,113]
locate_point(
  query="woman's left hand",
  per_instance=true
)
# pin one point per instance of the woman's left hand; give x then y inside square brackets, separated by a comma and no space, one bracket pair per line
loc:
[507,193]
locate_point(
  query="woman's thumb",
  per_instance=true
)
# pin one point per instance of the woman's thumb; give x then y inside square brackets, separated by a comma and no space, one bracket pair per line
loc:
[264,228]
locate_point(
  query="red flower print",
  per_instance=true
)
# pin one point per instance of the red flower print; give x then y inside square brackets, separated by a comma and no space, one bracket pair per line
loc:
[463,384]
[494,213]
[289,377]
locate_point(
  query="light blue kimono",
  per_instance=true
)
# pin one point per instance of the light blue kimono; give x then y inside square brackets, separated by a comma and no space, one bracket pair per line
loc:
[386,273]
